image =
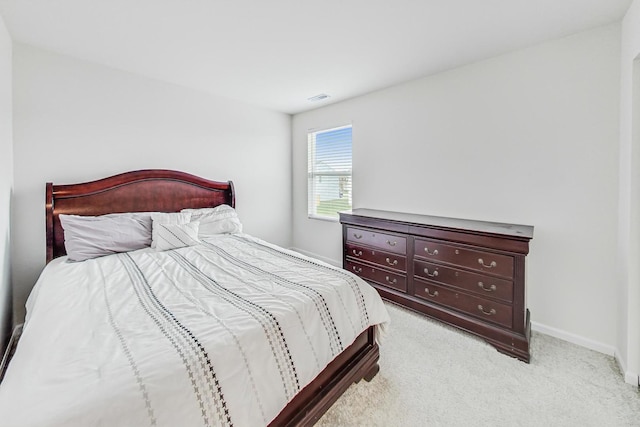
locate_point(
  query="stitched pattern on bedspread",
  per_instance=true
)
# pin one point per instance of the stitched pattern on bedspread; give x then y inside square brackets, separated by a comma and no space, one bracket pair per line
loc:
[130,359]
[364,315]
[316,297]
[223,324]
[203,378]
[267,320]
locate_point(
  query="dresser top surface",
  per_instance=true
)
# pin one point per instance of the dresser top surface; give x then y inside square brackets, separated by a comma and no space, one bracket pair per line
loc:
[514,230]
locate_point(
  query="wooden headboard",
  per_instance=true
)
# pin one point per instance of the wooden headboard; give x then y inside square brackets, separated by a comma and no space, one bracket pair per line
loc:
[152,190]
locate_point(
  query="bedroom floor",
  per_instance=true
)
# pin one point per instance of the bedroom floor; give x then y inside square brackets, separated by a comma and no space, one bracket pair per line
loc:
[433,375]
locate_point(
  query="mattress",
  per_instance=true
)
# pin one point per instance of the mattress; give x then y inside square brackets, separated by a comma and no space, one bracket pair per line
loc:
[222,333]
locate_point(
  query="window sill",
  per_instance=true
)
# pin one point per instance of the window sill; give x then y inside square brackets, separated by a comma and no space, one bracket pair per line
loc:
[323,218]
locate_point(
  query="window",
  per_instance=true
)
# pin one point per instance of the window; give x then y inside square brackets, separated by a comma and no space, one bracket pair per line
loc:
[329,176]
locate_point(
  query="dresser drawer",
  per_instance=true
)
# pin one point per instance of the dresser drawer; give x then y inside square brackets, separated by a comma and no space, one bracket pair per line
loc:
[486,262]
[378,275]
[385,259]
[482,308]
[473,282]
[386,242]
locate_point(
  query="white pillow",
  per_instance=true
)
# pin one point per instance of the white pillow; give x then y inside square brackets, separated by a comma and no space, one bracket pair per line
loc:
[174,236]
[218,220]
[87,237]
[166,218]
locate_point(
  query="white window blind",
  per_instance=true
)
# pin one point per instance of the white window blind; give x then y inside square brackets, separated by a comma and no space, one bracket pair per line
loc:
[329,177]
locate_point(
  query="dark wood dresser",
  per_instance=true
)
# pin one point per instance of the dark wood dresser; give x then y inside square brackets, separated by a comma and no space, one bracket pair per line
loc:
[469,274]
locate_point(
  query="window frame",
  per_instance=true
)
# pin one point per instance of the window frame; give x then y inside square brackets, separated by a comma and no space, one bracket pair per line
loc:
[311,174]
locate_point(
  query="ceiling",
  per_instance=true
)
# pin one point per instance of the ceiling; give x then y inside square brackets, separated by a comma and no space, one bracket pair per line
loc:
[278,53]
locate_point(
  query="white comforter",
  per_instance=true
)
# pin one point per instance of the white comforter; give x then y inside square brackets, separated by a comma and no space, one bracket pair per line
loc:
[223,333]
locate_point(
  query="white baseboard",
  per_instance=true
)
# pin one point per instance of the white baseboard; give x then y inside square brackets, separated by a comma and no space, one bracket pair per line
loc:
[629,377]
[321,258]
[11,347]
[573,338]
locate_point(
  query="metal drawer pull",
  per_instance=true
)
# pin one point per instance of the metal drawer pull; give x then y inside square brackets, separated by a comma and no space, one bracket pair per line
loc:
[395,262]
[435,273]
[393,282]
[492,265]
[435,252]
[434,294]
[488,313]
[489,289]
[357,236]
[391,243]
[357,269]
[357,253]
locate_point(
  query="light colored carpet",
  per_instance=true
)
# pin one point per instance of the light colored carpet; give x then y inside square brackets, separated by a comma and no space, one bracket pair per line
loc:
[434,375]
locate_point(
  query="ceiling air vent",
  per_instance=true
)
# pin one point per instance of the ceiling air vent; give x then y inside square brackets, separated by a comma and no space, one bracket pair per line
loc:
[319,97]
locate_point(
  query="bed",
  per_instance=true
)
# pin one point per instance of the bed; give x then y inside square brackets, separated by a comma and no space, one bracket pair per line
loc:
[206,334]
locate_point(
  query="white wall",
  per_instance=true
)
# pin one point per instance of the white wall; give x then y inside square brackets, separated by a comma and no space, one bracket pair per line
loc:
[6,184]
[528,137]
[628,320]
[76,121]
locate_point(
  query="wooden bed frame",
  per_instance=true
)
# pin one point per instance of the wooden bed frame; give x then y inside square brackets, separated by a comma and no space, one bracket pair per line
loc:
[170,191]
